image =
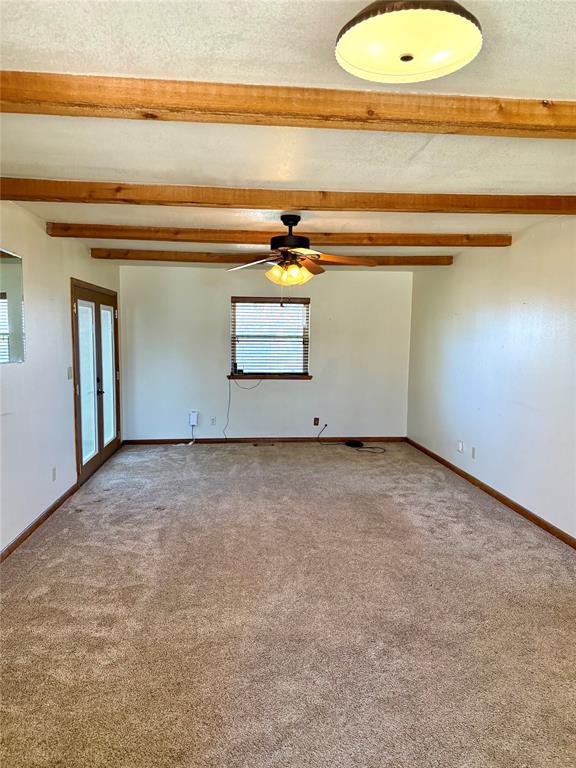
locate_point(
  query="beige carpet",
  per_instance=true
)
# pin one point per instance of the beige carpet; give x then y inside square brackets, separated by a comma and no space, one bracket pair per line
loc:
[287,606]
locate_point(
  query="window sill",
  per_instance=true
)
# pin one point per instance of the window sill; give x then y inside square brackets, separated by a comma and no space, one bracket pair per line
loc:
[272,376]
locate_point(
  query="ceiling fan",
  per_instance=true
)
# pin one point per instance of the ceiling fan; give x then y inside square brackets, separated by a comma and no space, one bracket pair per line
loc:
[294,262]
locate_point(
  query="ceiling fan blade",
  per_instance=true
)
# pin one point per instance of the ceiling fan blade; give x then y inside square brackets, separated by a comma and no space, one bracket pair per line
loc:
[349,261]
[305,252]
[267,260]
[311,266]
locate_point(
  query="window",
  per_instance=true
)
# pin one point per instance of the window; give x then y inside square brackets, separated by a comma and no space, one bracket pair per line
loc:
[270,338]
[4,329]
[11,309]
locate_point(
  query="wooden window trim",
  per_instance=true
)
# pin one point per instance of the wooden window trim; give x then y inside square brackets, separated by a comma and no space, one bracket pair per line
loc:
[263,376]
[273,376]
[268,300]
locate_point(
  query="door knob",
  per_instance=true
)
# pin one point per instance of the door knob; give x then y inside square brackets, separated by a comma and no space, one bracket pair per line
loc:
[99,391]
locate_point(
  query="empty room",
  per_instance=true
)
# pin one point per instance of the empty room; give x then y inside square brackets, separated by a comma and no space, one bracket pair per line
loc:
[288,384]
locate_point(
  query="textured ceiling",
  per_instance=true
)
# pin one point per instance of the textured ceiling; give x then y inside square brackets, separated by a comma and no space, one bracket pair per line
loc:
[529,52]
[528,49]
[312,221]
[297,158]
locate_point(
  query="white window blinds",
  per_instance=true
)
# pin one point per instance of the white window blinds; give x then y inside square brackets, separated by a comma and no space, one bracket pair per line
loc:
[4,329]
[270,336]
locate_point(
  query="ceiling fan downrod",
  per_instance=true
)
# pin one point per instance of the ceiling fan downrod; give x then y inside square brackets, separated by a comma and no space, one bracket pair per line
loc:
[289,241]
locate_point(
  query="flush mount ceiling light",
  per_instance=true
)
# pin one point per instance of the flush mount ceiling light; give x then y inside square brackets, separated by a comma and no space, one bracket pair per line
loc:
[407,41]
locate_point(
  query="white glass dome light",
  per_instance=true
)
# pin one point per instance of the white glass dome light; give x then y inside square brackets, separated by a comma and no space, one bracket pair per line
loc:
[408,41]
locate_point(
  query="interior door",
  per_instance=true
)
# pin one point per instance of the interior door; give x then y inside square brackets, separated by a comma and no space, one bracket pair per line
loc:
[96,375]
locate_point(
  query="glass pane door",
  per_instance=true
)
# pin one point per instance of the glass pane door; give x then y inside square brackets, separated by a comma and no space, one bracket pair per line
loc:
[108,374]
[87,370]
[96,375]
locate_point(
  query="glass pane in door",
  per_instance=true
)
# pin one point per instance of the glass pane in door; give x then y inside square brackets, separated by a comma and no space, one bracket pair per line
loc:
[108,373]
[87,364]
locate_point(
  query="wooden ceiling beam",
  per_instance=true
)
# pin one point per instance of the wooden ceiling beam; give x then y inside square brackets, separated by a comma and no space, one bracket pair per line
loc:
[46,93]
[246,258]
[47,190]
[250,237]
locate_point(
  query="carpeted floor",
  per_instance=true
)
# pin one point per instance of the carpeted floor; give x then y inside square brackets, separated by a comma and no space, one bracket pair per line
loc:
[287,606]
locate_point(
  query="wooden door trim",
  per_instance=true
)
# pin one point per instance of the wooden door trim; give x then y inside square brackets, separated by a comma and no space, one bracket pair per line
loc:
[113,445]
[75,378]
[77,288]
[75,283]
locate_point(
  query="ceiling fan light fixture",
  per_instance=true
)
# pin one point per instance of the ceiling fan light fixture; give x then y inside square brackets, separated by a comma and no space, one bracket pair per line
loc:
[293,271]
[293,274]
[408,41]
[305,275]
[294,262]
[275,274]
[291,278]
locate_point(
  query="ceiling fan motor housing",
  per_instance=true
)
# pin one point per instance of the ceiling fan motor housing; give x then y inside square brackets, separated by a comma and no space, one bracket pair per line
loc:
[289,241]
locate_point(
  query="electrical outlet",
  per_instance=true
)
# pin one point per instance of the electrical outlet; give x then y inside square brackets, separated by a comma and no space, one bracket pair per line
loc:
[213,420]
[193,418]
[53,474]
[316,421]
[460,446]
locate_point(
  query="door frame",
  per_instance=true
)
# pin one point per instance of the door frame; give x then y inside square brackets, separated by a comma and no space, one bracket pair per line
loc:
[77,287]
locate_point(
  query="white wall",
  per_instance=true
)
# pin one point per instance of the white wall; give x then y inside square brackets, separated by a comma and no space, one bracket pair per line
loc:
[37,405]
[493,363]
[176,355]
